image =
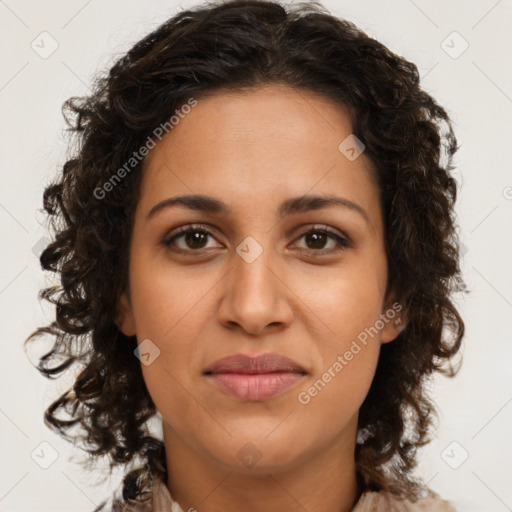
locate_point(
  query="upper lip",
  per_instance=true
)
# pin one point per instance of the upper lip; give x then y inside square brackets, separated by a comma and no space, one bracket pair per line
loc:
[263,363]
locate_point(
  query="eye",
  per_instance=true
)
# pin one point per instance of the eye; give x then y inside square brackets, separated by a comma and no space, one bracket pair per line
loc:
[318,236]
[195,239]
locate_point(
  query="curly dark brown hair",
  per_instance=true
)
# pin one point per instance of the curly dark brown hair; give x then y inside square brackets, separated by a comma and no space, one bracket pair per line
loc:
[240,45]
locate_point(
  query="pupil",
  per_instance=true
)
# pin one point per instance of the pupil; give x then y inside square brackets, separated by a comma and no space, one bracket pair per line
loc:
[318,239]
[195,237]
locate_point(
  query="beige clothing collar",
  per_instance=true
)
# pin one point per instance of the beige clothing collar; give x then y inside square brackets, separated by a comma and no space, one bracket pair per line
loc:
[160,500]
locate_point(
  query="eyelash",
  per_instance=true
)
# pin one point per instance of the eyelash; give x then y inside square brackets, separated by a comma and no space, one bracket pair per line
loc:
[342,242]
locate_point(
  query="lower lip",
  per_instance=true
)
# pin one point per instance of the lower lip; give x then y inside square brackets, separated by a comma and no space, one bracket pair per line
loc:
[255,387]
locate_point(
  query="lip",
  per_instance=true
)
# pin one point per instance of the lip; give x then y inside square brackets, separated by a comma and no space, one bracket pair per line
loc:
[255,378]
[263,363]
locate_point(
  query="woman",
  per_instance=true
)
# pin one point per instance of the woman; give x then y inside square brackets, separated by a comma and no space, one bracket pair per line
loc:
[256,246]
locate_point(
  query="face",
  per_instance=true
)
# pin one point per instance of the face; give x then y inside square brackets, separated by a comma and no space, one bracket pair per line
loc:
[263,273]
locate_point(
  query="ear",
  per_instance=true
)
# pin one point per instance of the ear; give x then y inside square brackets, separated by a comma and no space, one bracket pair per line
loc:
[395,319]
[124,317]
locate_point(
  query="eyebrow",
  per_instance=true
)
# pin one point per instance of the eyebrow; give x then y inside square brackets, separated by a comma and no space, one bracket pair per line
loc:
[291,206]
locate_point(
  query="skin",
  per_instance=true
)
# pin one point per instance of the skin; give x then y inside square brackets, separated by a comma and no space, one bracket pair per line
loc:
[253,149]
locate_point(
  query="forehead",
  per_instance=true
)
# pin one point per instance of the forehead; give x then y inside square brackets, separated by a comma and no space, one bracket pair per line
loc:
[260,143]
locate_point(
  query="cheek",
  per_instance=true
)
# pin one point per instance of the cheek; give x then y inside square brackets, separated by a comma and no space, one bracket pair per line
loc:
[336,393]
[346,307]
[170,308]
[343,301]
[166,296]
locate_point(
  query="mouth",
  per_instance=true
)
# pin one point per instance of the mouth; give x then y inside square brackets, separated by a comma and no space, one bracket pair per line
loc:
[247,364]
[255,378]
[255,387]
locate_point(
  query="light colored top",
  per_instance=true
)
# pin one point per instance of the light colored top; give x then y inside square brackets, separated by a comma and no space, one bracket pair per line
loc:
[160,500]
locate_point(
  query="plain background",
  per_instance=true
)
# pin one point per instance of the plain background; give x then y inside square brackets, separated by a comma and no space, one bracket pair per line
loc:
[470,459]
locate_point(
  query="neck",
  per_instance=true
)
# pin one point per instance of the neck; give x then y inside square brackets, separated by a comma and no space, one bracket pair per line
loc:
[324,482]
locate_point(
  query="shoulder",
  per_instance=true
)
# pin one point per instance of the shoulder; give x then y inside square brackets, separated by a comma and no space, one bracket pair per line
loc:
[384,502]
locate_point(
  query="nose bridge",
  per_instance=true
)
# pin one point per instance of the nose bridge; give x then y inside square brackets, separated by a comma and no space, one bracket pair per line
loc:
[254,297]
[254,282]
[252,268]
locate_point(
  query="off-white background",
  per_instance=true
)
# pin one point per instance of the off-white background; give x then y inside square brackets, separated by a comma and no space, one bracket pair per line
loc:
[476,88]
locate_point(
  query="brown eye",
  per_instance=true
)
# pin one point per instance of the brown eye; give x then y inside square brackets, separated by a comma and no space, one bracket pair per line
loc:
[192,239]
[195,239]
[317,238]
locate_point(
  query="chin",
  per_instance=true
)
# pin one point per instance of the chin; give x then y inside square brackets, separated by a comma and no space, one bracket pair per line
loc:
[257,453]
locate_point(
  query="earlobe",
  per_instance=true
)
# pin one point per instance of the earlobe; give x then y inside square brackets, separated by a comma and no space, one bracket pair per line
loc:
[392,329]
[395,319]
[124,317]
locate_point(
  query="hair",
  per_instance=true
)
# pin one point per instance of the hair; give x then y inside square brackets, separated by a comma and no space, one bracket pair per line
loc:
[240,45]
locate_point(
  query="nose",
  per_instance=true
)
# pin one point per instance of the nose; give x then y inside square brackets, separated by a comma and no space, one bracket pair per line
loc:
[256,296]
